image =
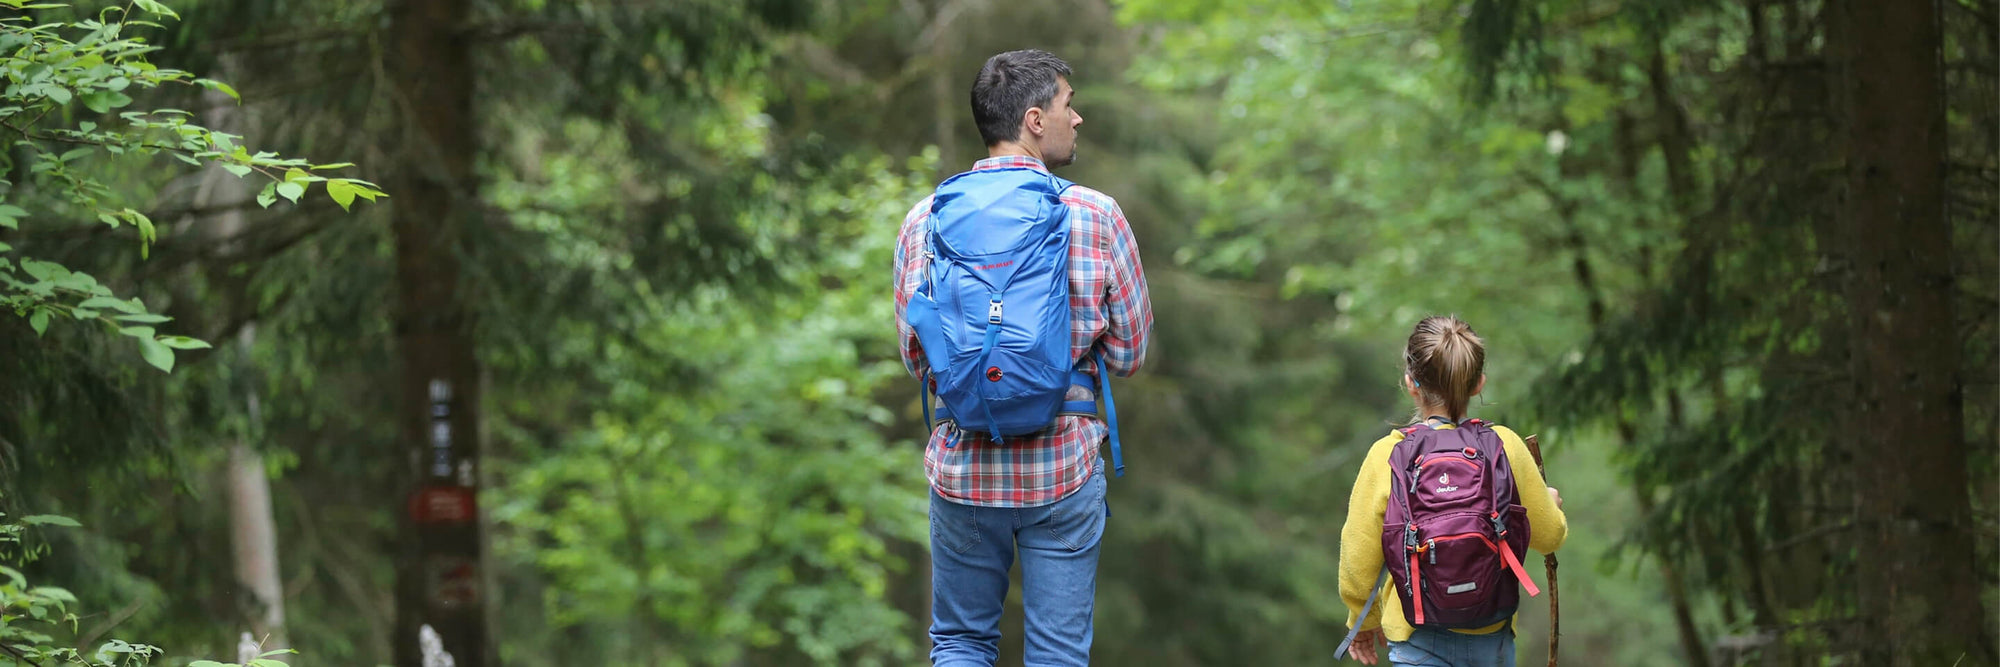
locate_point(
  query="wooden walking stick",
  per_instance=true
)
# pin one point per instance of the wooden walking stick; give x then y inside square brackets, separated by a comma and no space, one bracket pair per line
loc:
[1555,610]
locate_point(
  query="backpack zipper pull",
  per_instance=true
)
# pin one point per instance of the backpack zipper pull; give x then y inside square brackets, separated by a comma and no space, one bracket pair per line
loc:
[1433,548]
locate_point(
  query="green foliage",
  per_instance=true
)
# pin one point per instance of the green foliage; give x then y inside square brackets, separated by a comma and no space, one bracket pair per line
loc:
[29,614]
[48,65]
[735,494]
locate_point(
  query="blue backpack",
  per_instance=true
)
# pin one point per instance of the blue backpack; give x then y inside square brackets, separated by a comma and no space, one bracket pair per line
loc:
[993,312]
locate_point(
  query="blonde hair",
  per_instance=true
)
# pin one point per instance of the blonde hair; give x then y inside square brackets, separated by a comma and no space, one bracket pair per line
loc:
[1445,360]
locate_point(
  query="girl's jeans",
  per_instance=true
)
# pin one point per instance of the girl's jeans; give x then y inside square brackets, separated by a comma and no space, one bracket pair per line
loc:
[1444,648]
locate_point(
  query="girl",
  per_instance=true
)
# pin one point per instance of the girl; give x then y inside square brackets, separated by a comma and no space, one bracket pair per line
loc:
[1444,367]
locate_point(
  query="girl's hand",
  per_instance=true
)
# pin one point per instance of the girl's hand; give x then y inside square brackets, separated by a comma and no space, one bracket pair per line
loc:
[1557,497]
[1365,645]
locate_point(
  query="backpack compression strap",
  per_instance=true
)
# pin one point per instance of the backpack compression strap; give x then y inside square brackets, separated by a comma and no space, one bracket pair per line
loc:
[1068,407]
[1110,416]
[1356,630]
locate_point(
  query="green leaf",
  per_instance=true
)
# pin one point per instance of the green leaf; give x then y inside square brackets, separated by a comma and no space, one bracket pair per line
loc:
[145,225]
[212,84]
[98,101]
[342,191]
[145,318]
[266,662]
[155,7]
[105,302]
[266,198]
[84,314]
[184,343]
[86,127]
[13,211]
[9,222]
[40,321]
[55,593]
[60,94]
[160,356]
[237,169]
[137,332]
[206,663]
[77,153]
[184,158]
[336,165]
[51,520]
[20,580]
[40,270]
[291,190]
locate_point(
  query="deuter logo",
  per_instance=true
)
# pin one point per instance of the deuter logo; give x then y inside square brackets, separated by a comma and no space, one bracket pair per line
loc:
[1444,484]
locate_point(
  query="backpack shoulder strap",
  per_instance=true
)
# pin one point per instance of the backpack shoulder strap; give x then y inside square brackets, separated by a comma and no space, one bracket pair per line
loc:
[1402,456]
[1062,184]
[1484,433]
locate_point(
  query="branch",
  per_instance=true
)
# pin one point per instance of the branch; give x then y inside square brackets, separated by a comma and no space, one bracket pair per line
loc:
[1816,532]
[115,620]
[17,655]
[1985,17]
[1974,66]
[31,136]
[500,31]
[287,40]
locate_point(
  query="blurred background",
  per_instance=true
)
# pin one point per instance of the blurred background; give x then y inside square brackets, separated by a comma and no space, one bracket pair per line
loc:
[609,378]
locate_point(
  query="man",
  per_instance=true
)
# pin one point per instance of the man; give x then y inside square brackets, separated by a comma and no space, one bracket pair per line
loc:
[1042,493]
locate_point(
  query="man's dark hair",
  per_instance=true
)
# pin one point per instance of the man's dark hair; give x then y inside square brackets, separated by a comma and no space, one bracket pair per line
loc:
[1009,85]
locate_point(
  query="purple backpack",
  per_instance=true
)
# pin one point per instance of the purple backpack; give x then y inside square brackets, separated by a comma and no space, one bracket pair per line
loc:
[1455,530]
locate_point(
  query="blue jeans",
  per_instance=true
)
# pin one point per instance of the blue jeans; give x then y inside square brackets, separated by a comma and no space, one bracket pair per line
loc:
[1444,648]
[972,549]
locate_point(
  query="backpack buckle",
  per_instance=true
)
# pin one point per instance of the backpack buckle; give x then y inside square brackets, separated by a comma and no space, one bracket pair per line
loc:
[993,312]
[1410,536]
[1499,527]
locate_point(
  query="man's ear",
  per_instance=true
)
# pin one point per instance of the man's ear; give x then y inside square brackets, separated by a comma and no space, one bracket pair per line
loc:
[1033,121]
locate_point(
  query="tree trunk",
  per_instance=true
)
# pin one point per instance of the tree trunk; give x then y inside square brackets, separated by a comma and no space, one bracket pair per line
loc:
[256,542]
[439,574]
[1670,579]
[252,532]
[1919,594]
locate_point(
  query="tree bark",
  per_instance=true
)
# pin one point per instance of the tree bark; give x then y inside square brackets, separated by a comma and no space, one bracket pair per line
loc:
[1918,591]
[440,572]
[255,541]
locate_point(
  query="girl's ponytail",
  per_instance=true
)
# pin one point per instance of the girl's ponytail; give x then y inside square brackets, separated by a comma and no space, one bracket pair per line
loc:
[1445,360]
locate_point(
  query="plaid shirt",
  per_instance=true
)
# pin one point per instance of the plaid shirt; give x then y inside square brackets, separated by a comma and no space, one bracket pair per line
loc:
[1108,309]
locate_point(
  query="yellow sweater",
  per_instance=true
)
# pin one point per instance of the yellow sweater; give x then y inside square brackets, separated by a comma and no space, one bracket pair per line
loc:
[1361,538]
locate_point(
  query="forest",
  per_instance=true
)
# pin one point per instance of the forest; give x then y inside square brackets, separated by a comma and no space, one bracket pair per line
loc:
[560,332]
